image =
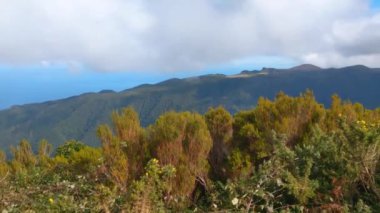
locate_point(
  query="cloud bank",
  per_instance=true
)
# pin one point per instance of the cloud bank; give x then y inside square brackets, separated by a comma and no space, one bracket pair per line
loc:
[166,35]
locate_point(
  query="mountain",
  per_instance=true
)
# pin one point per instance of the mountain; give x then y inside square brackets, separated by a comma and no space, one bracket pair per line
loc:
[77,117]
[306,67]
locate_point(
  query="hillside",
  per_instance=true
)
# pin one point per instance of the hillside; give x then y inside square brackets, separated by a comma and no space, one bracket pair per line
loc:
[77,117]
[286,155]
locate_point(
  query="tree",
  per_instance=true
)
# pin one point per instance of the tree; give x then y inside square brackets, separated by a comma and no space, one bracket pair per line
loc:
[23,155]
[219,122]
[129,132]
[44,149]
[115,158]
[292,117]
[125,152]
[182,140]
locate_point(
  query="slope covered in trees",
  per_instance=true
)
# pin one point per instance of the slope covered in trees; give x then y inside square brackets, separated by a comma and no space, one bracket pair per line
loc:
[286,155]
[78,117]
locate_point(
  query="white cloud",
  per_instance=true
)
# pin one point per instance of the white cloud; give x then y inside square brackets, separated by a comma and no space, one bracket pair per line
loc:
[359,37]
[350,42]
[186,34]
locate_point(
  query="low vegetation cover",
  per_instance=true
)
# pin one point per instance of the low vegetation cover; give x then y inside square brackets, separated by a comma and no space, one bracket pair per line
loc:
[286,155]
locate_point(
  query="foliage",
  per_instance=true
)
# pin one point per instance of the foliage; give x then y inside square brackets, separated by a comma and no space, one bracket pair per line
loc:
[219,122]
[183,141]
[69,147]
[115,158]
[125,152]
[286,155]
[147,194]
[23,156]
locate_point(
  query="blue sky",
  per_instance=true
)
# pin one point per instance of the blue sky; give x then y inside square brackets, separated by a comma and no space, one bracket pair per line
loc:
[50,83]
[56,49]
[376,4]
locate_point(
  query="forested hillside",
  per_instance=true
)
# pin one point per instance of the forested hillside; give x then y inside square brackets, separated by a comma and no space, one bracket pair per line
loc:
[78,117]
[287,155]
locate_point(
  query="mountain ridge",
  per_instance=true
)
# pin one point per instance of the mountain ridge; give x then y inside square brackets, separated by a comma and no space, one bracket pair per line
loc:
[77,117]
[302,68]
[307,67]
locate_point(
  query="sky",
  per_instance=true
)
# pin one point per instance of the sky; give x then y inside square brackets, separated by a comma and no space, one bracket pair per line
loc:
[51,49]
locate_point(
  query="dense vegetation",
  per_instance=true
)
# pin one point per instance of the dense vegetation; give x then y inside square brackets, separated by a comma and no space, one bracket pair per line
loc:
[286,155]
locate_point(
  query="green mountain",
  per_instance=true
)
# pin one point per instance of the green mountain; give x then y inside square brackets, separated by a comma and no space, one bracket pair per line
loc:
[77,117]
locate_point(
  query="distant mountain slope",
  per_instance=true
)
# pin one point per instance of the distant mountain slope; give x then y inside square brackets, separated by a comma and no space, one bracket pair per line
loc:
[77,117]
